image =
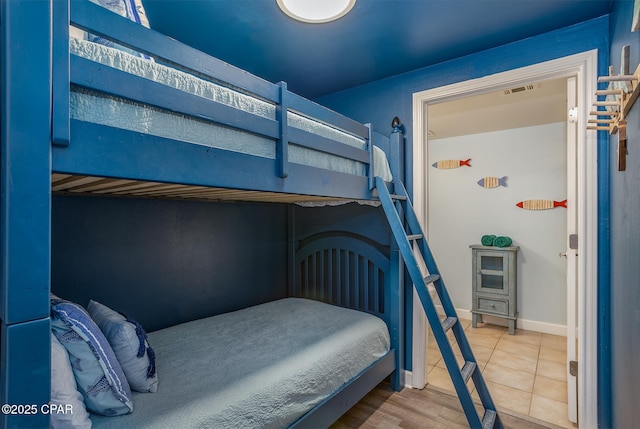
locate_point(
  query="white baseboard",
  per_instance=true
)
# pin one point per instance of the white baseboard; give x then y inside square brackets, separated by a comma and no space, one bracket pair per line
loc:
[407,379]
[527,325]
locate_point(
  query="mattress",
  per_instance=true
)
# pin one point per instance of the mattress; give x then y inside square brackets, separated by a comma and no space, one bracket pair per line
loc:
[90,106]
[261,367]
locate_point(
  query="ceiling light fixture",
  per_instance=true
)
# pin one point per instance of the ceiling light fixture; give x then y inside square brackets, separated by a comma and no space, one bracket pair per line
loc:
[316,11]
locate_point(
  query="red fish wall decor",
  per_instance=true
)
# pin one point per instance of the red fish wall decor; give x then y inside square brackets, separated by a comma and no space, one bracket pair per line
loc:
[451,163]
[541,204]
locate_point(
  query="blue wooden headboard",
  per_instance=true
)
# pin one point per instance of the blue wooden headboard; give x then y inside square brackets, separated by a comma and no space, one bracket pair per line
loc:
[344,270]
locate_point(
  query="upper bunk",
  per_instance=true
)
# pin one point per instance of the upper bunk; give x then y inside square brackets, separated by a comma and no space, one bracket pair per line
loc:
[150,116]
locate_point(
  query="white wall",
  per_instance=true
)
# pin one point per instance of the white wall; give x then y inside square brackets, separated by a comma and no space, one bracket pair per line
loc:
[460,212]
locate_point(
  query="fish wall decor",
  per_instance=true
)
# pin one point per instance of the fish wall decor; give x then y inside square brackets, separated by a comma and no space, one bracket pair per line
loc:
[493,182]
[541,204]
[451,163]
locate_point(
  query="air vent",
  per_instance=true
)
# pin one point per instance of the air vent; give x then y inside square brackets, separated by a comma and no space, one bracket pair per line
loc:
[519,89]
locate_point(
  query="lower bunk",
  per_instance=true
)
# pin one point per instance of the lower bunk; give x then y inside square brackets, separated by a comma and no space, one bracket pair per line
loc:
[292,362]
[264,366]
[299,361]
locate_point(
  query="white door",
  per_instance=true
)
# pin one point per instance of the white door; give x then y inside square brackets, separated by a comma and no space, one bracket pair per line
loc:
[571,253]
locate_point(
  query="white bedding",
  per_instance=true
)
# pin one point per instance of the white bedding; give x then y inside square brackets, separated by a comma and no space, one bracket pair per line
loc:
[261,367]
[91,107]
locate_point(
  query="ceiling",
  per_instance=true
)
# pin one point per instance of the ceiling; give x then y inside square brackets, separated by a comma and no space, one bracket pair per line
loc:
[538,103]
[377,39]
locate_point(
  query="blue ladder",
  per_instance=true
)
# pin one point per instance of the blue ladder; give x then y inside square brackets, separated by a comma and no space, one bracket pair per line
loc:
[398,207]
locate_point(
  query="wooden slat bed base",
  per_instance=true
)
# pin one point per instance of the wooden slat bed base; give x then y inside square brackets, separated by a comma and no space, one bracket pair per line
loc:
[89,185]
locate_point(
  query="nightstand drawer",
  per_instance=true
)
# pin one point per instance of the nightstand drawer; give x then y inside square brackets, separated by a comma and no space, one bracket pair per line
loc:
[493,305]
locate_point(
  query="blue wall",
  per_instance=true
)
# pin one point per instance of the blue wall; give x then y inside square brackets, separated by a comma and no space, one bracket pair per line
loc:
[625,242]
[380,101]
[164,262]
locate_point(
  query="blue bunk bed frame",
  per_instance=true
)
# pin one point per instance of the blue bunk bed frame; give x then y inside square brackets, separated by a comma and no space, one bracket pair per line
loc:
[191,164]
[39,138]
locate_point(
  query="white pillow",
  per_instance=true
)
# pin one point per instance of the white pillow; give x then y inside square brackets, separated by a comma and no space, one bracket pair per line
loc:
[130,345]
[64,391]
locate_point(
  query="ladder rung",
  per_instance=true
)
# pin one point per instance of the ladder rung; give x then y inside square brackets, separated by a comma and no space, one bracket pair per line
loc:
[398,197]
[431,278]
[402,219]
[489,419]
[467,370]
[448,323]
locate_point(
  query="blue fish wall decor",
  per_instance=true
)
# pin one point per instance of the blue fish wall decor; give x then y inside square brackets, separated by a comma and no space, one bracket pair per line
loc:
[493,182]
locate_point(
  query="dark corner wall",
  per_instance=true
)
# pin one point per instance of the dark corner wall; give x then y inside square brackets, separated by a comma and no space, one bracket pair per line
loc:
[625,241]
[363,220]
[163,262]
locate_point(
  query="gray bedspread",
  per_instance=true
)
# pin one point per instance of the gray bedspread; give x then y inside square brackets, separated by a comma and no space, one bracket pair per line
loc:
[261,367]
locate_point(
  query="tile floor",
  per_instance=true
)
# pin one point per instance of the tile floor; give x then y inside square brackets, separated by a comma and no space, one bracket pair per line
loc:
[525,372]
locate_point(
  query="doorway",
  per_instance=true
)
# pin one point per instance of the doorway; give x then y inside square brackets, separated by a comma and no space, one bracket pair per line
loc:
[582,67]
[517,143]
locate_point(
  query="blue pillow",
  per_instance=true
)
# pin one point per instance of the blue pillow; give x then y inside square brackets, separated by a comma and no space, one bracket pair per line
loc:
[98,374]
[64,392]
[131,9]
[130,345]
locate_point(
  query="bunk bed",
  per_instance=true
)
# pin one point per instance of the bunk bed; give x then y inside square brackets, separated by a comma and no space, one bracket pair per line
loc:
[244,133]
[123,124]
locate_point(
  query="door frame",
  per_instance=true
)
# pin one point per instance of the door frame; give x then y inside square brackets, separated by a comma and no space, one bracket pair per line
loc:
[570,254]
[583,66]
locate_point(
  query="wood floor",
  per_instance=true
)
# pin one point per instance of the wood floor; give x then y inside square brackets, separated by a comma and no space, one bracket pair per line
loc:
[385,409]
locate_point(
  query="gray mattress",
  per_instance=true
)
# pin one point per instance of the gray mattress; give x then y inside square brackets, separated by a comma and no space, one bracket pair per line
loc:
[261,367]
[115,112]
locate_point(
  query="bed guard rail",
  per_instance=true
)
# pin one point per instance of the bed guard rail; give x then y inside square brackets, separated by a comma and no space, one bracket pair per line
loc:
[71,70]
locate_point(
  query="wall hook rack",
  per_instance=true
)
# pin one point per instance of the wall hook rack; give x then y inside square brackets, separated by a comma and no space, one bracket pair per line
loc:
[621,94]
